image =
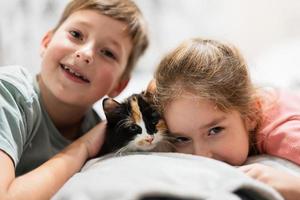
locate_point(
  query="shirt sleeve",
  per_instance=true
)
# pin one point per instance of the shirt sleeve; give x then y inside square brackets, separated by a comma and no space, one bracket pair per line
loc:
[284,141]
[18,111]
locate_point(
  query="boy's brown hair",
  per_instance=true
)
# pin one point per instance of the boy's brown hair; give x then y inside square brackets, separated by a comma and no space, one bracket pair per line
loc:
[125,11]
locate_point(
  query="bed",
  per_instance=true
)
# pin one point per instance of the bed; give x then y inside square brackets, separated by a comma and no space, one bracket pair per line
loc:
[166,176]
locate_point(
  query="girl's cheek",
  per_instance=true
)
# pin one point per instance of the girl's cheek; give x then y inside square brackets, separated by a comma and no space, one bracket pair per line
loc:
[187,150]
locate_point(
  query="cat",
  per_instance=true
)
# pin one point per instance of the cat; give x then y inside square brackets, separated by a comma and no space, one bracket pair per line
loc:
[134,125]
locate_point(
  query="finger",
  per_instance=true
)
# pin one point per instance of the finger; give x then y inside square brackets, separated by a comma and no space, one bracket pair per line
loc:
[246,168]
[250,170]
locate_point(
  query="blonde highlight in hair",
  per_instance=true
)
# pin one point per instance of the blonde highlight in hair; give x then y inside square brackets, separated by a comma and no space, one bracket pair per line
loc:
[210,70]
[125,11]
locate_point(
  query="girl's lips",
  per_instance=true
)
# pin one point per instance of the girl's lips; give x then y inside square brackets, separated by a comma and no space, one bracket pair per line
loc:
[74,75]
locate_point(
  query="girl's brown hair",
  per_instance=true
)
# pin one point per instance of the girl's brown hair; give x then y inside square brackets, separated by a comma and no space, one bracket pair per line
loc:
[122,10]
[211,70]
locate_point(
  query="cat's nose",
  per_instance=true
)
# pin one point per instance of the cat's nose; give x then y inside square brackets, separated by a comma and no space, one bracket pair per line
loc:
[149,139]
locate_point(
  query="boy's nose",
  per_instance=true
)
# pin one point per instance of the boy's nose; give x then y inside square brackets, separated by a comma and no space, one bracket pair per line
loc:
[84,56]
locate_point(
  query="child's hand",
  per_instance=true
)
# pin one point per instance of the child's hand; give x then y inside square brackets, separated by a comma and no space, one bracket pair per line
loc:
[285,183]
[93,139]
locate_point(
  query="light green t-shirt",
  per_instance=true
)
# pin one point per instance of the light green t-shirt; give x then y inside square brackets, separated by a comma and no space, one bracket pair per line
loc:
[27,134]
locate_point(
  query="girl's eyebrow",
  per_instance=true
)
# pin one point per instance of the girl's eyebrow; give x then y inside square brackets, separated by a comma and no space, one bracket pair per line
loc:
[213,122]
[205,126]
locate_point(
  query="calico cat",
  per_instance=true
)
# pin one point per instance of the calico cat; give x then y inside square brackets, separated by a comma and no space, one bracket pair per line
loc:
[134,125]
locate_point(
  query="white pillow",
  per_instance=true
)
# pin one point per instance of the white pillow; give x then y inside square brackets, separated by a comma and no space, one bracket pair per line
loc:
[132,176]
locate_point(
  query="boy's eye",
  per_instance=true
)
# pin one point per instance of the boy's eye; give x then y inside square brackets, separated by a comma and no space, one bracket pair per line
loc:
[109,54]
[76,34]
[215,131]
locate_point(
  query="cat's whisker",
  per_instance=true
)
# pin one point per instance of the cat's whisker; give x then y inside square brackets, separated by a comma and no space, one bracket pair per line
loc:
[123,123]
[117,153]
[171,144]
[168,137]
[168,145]
[121,151]
[120,123]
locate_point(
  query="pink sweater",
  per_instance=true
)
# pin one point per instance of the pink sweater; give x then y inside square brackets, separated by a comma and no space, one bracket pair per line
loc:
[280,131]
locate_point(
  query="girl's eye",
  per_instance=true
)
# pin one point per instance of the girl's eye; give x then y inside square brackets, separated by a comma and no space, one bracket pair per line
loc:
[182,140]
[76,34]
[215,131]
[109,54]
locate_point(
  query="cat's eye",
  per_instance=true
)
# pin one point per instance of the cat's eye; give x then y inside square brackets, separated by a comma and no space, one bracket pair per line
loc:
[135,129]
[215,131]
[154,121]
[155,118]
[155,115]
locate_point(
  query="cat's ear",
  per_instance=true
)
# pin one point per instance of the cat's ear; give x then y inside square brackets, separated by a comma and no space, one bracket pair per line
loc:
[109,104]
[150,88]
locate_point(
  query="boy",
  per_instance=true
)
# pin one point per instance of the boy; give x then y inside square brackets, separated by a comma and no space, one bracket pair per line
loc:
[89,54]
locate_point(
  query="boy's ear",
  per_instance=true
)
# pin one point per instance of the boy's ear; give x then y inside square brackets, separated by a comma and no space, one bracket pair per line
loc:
[118,88]
[45,41]
[109,104]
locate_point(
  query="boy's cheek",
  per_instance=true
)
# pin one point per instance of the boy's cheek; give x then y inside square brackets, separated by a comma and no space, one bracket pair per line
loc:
[118,88]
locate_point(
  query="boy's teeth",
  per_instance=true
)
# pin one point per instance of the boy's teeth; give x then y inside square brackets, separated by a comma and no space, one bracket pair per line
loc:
[75,73]
[65,67]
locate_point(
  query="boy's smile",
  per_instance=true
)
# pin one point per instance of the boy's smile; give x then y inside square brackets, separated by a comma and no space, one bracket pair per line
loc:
[85,58]
[74,74]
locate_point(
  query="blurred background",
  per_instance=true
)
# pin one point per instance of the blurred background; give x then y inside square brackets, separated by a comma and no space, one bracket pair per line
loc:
[266,31]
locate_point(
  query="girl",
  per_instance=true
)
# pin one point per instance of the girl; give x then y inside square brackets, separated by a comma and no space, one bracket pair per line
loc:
[212,108]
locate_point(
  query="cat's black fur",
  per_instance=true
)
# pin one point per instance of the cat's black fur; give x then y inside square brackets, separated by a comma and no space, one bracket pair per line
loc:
[124,126]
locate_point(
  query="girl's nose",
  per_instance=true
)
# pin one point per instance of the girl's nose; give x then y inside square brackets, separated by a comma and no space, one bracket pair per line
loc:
[202,151]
